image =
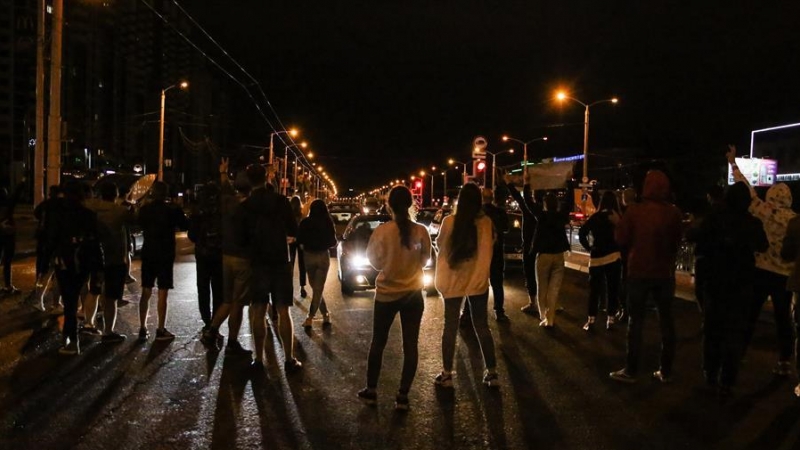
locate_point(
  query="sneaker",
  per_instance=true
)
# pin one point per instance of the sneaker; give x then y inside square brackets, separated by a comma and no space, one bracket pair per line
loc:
[501,317]
[326,320]
[303,293]
[530,309]
[90,331]
[292,365]
[368,396]
[113,338]
[401,402]
[143,334]
[622,376]
[589,324]
[307,323]
[660,376]
[70,349]
[234,348]
[783,369]
[610,323]
[209,339]
[490,379]
[163,335]
[544,323]
[444,379]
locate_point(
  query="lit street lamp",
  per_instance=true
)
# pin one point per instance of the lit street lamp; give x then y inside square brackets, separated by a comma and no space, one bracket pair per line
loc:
[293,133]
[286,166]
[524,151]
[182,85]
[494,164]
[452,161]
[561,96]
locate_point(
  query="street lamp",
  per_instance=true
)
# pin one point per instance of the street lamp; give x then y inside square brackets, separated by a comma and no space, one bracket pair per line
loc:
[286,165]
[494,164]
[561,96]
[292,132]
[524,152]
[452,161]
[181,85]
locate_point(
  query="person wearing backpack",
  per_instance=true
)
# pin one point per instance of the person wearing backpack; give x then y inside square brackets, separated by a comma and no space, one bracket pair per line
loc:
[72,236]
[265,225]
[205,231]
[159,221]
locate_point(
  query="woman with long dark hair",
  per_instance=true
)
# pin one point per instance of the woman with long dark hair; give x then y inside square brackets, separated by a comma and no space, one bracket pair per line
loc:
[605,259]
[462,270]
[295,252]
[398,249]
[315,236]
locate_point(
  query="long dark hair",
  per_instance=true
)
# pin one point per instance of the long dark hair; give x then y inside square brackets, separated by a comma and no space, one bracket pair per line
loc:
[319,215]
[400,201]
[464,240]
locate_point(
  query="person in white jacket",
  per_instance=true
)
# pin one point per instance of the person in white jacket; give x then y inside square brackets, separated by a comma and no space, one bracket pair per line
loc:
[772,272]
[462,270]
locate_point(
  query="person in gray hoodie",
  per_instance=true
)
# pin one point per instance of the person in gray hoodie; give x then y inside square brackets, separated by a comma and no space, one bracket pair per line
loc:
[772,272]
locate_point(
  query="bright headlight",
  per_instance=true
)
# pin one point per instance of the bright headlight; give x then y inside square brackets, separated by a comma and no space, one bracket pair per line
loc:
[359,261]
[427,280]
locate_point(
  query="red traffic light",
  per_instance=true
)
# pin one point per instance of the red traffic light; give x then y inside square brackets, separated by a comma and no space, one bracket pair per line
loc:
[481,166]
[418,184]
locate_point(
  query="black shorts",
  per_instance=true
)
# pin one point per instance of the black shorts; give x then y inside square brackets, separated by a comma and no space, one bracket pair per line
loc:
[273,283]
[157,269]
[114,281]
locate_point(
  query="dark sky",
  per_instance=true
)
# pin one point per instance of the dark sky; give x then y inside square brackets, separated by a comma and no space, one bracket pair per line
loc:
[381,89]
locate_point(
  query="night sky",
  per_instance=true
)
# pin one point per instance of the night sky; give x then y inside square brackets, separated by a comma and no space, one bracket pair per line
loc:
[381,89]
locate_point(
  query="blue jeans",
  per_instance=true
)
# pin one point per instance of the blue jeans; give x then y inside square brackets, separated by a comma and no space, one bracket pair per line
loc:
[663,293]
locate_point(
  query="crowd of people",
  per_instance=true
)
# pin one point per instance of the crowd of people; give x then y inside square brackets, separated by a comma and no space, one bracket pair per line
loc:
[248,237]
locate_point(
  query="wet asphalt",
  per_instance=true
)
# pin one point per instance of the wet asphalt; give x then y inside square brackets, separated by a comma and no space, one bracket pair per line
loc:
[555,389]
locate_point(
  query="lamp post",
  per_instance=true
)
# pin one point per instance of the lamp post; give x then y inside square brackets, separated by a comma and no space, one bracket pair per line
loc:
[286,165]
[444,188]
[561,96]
[494,164]
[524,152]
[293,133]
[452,161]
[182,85]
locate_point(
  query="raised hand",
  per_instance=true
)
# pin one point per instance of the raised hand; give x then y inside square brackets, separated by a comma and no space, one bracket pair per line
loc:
[731,154]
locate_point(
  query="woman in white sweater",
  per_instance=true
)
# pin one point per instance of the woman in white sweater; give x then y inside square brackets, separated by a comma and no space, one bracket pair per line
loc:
[462,270]
[398,249]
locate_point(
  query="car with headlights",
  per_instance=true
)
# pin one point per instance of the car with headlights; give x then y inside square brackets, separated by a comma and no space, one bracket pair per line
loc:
[436,223]
[425,217]
[341,213]
[355,271]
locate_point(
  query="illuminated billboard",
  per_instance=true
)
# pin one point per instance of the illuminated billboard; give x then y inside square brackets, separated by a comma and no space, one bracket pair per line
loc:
[757,171]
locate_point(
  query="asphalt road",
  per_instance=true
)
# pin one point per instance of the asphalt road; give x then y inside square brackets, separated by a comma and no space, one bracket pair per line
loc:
[555,392]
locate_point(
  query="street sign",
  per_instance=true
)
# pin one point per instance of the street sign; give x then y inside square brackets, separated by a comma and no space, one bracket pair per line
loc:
[479,147]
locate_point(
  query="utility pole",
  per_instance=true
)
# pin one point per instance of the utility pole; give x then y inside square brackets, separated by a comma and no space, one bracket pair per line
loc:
[54,121]
[38,157]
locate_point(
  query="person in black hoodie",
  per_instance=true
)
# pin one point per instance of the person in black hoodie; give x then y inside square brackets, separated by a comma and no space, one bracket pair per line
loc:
[315,237]
[730,236]
[549,244]
[526,206]
[205,231]
[266,226]
[605,259]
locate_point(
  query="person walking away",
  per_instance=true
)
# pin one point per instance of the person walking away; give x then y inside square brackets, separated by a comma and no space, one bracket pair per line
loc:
[236,272]
[526,205]
[205,231]
[296,250]
[549,244]
[463,264]
[159,221]
[398,249]
[772,272]
[605,259]
[8,234]
[266,226]
[492,209]
[72,235]
[790,251]
[650,232]
[113,223]
[729,237]
[715,197]
[315,236]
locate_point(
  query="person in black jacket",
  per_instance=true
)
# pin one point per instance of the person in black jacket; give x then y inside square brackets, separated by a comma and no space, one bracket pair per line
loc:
[71,233]
[159,221]
[205,231]
[266,226]
[315,236]
[730,237]
[549,244]
[527,205]
[605,263]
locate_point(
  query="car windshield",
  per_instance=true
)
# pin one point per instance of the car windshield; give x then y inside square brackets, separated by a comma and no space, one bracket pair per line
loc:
[360,229]
[342,213]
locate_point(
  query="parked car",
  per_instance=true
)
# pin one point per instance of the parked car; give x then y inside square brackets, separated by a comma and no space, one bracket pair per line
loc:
[341,213]
[436,223]
[355,272]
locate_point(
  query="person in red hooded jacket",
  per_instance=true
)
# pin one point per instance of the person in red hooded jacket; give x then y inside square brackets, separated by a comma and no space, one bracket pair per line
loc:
[651,232]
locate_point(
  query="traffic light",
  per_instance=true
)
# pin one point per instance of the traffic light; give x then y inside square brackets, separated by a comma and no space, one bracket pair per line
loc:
[481,166]
[418,184]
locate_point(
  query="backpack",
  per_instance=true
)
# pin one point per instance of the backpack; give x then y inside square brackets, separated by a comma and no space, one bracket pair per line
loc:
[266,233]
